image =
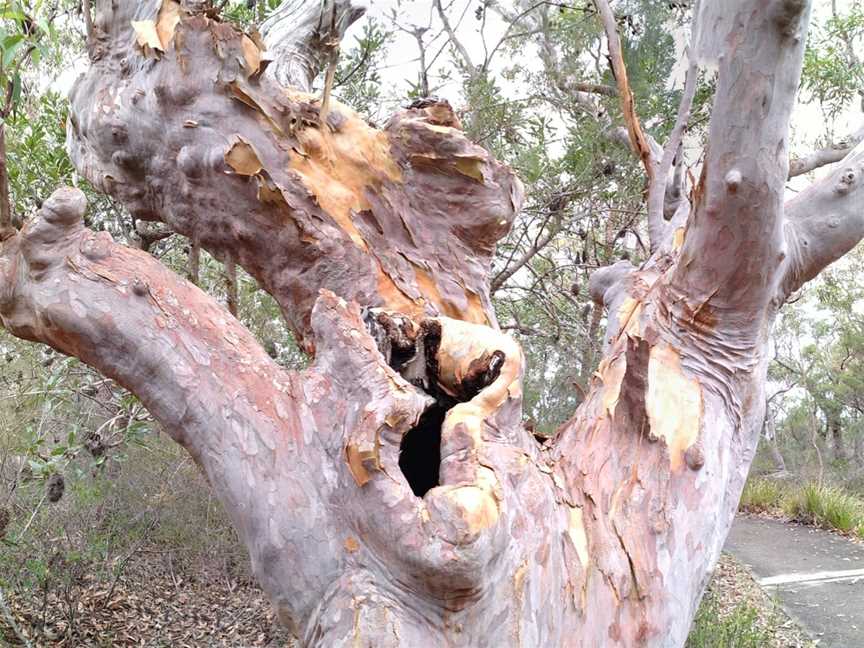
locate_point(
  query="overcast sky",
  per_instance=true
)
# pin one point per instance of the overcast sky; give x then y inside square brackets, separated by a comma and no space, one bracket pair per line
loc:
[808,121]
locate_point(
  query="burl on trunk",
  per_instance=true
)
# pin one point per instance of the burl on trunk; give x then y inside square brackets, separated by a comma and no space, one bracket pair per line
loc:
[390,495]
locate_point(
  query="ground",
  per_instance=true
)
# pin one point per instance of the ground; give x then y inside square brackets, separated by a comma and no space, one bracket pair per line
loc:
[817,576]
[151,607]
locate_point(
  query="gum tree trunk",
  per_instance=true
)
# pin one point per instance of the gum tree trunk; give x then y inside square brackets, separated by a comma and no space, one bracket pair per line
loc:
[390,495]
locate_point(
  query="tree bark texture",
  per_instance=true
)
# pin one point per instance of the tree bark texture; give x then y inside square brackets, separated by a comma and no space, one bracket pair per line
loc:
[390,495]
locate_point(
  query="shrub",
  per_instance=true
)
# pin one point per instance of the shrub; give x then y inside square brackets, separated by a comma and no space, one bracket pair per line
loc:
[826,506]
[761,494]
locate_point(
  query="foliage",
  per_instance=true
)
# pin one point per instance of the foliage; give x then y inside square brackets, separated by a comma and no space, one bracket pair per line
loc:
[736,629]
[358,78]
[761,494]
[826,506]
[833,71]
[819,375]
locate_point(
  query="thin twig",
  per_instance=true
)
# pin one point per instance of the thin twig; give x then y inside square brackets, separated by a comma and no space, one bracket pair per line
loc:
[32,517]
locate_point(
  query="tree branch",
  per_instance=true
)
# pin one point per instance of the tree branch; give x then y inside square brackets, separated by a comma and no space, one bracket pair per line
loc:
[86,10]
[660,180]
[828,155]
[337,205]
[738,204]
[454,40]
[824,222]
[119,310]
[299,37]
[628,106]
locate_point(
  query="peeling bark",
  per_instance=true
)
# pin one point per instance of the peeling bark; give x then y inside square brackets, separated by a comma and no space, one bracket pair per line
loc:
[390,495]
[404,218]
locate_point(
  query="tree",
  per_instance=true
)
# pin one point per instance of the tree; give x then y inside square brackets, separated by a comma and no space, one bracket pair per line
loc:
[819,351]
[390,494]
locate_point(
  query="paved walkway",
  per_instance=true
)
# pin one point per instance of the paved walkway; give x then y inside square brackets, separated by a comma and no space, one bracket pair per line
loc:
[817,576]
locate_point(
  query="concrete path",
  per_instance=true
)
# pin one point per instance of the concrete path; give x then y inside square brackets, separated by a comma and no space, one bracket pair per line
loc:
[817,576]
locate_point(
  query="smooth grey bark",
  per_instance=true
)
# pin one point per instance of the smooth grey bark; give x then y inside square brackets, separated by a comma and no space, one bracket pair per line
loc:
[301,36]
[824,156]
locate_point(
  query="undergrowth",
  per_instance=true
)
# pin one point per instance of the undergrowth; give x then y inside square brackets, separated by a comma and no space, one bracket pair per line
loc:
[736,629]
[821,505]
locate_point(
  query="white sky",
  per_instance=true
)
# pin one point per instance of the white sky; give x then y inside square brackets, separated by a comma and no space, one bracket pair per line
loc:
[808,123]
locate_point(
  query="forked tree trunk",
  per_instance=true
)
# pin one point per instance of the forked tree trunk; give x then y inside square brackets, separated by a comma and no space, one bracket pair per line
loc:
[474,535]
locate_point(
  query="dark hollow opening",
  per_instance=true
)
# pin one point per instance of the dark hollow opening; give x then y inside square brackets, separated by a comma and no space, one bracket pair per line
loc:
[420,451]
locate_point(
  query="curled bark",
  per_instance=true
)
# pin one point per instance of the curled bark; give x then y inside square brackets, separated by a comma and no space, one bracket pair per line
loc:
[638,140]
[405,218]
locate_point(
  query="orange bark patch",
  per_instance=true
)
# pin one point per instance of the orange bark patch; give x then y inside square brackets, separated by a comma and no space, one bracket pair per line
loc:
[242,158]
[338,167]
[351,544]
[612,375]
[473,313]
[251,55]
[360,462]
[157,34]
[673,402]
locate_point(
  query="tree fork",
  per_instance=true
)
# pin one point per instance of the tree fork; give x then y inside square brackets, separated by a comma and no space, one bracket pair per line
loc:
[603,535]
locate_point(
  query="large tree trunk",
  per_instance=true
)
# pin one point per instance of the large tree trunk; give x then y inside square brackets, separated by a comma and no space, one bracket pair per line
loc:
[389,495]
